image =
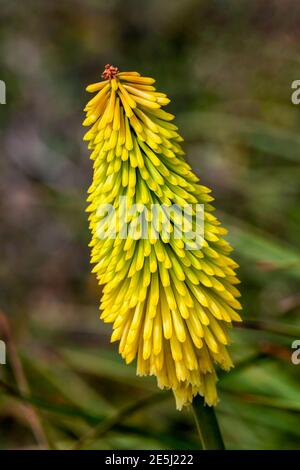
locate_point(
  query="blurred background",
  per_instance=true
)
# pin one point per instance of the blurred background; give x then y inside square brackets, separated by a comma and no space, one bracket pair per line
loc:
[227,67]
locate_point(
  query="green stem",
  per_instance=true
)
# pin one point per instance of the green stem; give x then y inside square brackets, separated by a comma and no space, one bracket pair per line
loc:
[207,425]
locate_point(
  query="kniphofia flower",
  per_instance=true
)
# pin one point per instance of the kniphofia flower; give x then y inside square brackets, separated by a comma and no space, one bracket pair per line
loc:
[171,307]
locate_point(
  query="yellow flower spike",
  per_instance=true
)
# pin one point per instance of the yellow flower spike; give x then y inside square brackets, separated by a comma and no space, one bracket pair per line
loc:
[171,298]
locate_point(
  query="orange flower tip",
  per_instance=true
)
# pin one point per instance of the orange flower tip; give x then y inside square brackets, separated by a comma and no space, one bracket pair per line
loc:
[109,72]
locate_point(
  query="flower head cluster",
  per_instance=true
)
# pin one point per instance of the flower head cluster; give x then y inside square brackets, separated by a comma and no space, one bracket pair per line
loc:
[170,302]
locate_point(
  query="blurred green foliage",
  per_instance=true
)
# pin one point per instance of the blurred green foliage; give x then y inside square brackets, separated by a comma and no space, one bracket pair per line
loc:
[228,68]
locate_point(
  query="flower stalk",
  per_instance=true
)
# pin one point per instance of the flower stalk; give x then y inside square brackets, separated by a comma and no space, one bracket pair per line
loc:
[207,425]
